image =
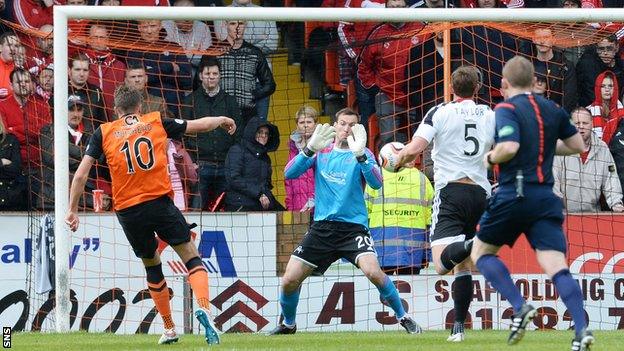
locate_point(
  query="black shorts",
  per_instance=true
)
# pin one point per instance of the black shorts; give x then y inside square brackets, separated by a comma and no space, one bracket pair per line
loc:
[327,241]
[457,209]
[539,215]
[160,216]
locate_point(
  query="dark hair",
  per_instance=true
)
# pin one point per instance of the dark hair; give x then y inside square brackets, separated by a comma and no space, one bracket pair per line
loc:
[127,99]
[19,71]
[4,36]
[78,57]
[134,64]
[346,111]
[208,61]
[465,81]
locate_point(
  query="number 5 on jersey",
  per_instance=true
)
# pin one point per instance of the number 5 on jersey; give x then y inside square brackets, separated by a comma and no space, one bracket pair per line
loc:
[472,139]
[145,160]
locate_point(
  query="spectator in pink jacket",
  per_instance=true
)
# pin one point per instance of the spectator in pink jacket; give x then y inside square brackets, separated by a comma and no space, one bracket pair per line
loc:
[300,191]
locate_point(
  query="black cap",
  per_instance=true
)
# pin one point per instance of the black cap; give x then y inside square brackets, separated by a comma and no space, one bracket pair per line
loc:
[74,101]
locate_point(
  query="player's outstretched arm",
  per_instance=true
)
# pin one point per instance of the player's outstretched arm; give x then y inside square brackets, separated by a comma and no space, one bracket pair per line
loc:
[570,146]
[76,190]
[411,150]
[206,124]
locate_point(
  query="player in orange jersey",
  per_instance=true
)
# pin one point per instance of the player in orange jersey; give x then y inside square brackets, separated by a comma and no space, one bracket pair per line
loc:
[135,149]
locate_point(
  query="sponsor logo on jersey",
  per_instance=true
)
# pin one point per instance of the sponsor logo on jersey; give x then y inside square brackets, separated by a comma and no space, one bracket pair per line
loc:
[131,119]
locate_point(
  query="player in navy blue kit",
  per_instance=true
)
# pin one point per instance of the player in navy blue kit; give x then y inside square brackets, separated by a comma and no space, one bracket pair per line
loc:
[530,130]
[340,227]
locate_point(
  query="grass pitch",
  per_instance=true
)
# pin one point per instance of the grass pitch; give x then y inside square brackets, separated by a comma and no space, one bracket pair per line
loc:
[341,341]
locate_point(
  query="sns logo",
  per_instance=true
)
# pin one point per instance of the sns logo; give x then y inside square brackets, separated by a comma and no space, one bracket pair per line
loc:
[591,262]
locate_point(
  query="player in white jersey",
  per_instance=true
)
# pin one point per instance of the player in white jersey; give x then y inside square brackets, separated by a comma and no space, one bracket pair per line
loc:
[463,133]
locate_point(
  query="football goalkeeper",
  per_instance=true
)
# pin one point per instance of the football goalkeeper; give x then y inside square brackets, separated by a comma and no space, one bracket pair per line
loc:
[340,228]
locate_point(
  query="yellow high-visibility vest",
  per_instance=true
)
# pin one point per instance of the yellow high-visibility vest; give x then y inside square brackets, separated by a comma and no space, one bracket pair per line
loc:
[404,200]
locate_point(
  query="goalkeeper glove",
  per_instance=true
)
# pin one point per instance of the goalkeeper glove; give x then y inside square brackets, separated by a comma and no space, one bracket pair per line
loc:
[323,135]
[357,141]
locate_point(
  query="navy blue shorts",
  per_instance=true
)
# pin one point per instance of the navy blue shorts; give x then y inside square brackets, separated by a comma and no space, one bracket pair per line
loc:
[539,215]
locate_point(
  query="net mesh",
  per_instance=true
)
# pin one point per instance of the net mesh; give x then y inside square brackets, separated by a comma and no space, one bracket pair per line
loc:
[246,253]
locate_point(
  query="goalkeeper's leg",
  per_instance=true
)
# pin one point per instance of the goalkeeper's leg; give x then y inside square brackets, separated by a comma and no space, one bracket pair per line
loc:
[296,272]
[387,291]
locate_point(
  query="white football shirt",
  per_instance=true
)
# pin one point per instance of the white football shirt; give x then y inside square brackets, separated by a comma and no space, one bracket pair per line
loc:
[463,133]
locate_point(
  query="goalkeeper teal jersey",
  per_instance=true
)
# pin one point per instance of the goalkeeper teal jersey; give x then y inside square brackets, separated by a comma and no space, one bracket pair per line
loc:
[339,181]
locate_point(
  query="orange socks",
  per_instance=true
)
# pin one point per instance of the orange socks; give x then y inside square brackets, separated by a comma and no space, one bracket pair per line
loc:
[160,295]
[159,292]
[198,278]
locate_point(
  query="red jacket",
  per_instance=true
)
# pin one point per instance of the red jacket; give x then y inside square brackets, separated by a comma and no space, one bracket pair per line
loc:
[25,122]
[383,63]
[353,35]
[31,14]
[596,107]
[105,72]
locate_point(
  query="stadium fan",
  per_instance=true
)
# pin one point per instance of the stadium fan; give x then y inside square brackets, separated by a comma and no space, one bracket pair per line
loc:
[487,48]
[560,74]
[262,34]
[168,70]
[300,191]
[248,83]
[12,183]
[382,64]
[211,148]
[90,95]
[136,79]
[24,114]
[340,216]
[31,14]
[45,84]
[141,197]
[192,36]
[606,106]
[9,42]
[525,202]
[595,60]
[353,37]
[581,180]
[78,139]
[248,169]
[463,132]
[106,70]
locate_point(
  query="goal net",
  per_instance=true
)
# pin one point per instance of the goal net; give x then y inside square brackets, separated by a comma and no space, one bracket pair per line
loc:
[391,74]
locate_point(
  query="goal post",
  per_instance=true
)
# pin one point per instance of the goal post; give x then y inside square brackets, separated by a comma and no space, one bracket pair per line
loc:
[64,13]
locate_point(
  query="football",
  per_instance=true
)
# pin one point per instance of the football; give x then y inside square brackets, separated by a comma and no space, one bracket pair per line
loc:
[389,156]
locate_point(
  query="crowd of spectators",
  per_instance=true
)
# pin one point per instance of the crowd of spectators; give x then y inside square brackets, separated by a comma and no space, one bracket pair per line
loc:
[191,69]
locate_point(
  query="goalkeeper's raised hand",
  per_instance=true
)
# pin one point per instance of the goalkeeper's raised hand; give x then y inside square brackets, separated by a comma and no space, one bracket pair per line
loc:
[357,141]
[323,135]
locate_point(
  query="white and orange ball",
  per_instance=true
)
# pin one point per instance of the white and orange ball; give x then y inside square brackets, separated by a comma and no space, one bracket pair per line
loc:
[389,156]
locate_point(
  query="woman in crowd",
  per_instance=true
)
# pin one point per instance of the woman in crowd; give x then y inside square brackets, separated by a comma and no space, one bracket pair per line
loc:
[300,191]
[248,169]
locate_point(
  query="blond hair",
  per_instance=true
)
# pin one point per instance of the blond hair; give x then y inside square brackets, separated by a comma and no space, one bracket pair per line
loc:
[306,111]
[519,73]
